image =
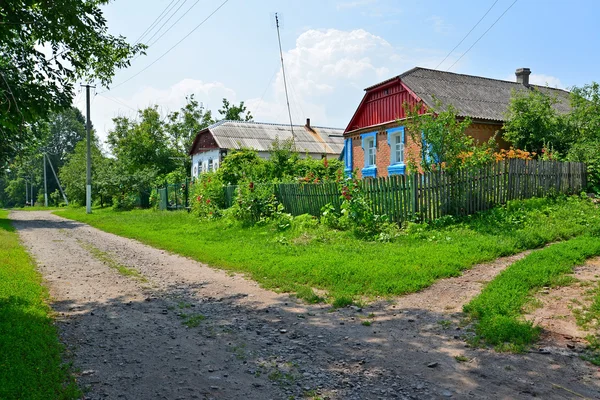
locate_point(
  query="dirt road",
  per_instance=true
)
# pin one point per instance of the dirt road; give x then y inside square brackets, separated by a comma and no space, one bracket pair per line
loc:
[182,330]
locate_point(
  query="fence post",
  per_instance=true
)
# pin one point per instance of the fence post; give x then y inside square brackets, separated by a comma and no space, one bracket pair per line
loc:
[414,194]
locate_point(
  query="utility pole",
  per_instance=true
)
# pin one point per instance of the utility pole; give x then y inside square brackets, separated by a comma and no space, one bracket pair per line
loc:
[88,128]
[45,184]
[283,71]
[26,192]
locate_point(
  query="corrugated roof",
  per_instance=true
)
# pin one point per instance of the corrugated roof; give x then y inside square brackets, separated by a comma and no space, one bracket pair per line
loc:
[259,136]
[473,96]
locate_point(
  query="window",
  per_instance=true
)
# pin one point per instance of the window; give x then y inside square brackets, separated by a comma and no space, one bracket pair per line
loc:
[371,152]
[396,139]
[210,165]
[398,149]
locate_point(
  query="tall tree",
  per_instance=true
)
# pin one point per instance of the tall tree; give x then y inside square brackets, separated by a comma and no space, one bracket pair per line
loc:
[183,125]
[45,47]
[232,112]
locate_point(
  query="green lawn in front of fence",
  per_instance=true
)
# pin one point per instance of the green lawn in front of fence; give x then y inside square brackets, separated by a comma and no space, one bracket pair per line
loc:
[342,265]
[30,352]
[498,308]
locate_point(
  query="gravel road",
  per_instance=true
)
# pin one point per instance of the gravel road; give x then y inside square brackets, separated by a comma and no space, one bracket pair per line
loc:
[183,330]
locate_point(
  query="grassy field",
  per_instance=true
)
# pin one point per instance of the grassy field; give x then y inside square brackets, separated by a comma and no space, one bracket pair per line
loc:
[498,308]
[30,353]
[310,255]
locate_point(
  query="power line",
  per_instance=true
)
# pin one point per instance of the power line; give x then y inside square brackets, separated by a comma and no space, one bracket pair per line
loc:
[482,35]
[156,21]
[174,23]
[13,97]
[170,49]
[117,101]
[168,19]
[468,33]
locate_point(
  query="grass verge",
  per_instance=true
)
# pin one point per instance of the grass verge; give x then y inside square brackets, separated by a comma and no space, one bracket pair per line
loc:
[107,259]
[31,364]
[310,255]
[498,308]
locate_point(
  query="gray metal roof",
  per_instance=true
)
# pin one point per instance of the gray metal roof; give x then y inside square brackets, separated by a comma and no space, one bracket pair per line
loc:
[473,96]
[259,136]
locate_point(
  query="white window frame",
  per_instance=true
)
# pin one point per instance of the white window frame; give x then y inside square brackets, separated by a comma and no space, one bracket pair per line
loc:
[397,148]
[210,165]
[371,152]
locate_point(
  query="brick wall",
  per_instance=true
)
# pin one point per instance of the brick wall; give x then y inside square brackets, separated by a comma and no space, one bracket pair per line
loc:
[482,132]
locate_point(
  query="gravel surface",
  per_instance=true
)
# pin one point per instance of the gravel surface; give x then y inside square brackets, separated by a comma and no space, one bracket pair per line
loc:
[187,331]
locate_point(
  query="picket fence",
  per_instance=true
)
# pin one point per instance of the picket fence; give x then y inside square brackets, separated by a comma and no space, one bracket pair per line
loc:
[435,194]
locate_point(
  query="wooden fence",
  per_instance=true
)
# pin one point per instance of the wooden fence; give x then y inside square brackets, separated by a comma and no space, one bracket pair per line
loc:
[435,194]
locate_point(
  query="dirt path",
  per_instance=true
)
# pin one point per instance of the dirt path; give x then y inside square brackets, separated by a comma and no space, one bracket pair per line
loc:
[190,331]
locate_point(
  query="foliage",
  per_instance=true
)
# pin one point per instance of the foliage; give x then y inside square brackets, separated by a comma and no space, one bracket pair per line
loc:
[315,256]
[73,173]
[30,351]
[44,49]
[208,197]
[254,202]
[584,119]
[243,164]
[311,170]
[499,307]
[440,136]
[183,125]
[282,159]
[231,112]
[532,123]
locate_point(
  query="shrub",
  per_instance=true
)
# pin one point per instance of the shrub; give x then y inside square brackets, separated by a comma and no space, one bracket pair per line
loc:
[254,202]
[123,202]
[208,197]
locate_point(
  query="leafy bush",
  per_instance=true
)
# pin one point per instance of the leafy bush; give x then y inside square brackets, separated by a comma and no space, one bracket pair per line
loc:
[254,202]
[124,202]
[207,196]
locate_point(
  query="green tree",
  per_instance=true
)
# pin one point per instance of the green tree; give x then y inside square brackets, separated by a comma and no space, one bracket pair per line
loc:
[283,159]
[533,124]
[235,113]
[36,81]
[73,174]
[441,137]
[183,125]
[243,164]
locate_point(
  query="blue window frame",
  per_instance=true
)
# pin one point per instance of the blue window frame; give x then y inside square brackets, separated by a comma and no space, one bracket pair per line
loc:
[369,145]
[348,157]
[396,141]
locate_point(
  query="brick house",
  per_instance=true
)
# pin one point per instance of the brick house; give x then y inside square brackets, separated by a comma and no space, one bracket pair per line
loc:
[375,141]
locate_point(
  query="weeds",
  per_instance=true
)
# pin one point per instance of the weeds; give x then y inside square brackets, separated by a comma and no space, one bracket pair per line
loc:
[107,259]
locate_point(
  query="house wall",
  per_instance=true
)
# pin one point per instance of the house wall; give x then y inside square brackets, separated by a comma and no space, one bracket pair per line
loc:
[200,162]
[482,132]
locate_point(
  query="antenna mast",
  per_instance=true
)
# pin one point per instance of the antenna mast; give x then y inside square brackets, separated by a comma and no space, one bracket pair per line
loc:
[284,81]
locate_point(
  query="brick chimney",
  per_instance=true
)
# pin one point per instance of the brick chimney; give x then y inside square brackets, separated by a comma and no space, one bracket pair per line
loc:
[523,76]
[308,125]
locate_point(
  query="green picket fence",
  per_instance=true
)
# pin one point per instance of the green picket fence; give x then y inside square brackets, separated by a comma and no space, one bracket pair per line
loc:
[435,194]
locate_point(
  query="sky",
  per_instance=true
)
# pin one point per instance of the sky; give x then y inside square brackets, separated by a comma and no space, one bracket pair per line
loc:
[333,49]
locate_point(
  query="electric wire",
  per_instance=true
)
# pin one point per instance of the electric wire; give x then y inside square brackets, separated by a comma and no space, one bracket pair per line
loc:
[468,33]
[482,35]
[171,48]
[117,101]
[156,21]
[174,23]
[168,19]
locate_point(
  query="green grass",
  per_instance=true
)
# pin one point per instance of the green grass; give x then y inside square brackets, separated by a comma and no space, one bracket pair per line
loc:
[107,259]
[31,364]
[498,308]
[192,320]
[314,256]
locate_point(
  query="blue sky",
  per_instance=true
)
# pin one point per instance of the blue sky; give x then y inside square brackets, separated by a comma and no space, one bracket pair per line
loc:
[333,49]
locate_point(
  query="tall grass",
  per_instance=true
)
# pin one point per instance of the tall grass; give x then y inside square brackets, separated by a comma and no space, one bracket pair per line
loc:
[30,352]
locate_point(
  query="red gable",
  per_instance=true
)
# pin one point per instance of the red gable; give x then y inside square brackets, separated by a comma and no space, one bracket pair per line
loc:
[382,104]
